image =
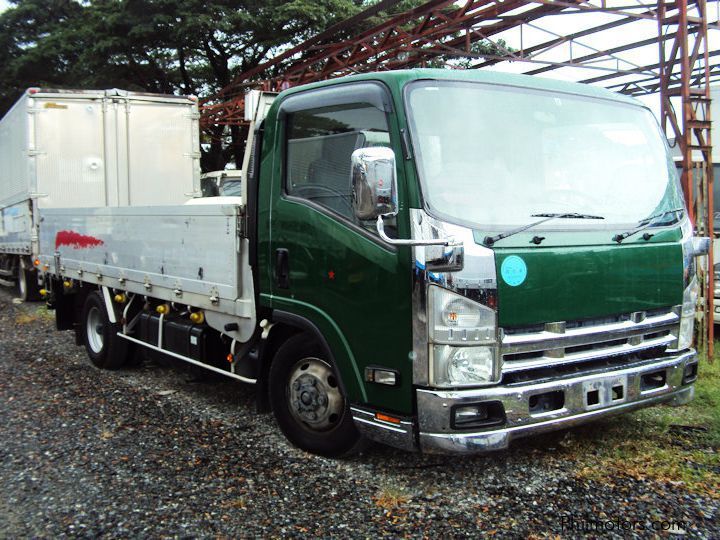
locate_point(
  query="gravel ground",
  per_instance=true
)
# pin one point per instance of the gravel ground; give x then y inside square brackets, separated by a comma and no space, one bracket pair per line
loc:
[152,452]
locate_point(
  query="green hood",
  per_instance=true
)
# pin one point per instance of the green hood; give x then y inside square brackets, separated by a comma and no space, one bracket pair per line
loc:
[573,282]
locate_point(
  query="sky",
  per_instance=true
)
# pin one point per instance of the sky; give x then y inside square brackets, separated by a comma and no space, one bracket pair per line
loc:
[550,26]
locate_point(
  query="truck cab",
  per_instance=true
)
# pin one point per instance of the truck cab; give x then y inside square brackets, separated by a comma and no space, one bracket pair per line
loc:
[463,258]
[225,183]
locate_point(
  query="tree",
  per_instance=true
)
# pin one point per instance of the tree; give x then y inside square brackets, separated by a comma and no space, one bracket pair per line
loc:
[165,46]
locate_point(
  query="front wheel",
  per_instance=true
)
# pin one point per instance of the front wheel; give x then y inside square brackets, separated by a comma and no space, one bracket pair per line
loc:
[105,348]
[308,402]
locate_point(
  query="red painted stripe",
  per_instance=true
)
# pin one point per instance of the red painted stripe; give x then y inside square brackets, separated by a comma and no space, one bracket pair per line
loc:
[76,240]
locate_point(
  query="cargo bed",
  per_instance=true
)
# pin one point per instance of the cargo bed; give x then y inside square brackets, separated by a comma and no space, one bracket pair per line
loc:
[187,254]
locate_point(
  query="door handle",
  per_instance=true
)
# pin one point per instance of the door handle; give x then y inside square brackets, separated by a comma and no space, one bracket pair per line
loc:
[282,268]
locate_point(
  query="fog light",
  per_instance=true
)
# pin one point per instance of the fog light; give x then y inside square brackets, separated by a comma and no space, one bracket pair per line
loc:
[489,413]
[463,415]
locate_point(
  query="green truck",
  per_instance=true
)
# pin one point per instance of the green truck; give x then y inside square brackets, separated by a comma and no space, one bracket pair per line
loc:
[438,260]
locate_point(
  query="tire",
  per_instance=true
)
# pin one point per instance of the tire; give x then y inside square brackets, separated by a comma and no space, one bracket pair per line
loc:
[105,348]
[27,284]
[307,400]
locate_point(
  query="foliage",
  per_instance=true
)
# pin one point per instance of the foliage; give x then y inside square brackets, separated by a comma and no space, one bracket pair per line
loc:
[166,46]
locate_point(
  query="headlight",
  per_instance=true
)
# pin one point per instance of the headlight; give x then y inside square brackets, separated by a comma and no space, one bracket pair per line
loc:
[687,315]
[464,366]
[464,343]
[454,318]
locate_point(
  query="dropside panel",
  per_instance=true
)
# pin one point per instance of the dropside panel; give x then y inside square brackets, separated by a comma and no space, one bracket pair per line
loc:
[186,254]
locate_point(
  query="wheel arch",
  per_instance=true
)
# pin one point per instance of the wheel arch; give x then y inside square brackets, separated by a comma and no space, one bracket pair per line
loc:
[286,325]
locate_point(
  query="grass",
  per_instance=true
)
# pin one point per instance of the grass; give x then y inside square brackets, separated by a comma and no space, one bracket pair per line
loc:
[675,445]
[26,318]
[35,314]
[391,497]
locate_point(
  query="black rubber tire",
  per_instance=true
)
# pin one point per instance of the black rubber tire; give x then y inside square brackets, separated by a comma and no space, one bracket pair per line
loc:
[105,348]
[341,439]
[27,284]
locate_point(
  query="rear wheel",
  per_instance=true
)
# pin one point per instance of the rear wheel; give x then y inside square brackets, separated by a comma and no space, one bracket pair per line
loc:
[105,348]
[308,402]
[27,284]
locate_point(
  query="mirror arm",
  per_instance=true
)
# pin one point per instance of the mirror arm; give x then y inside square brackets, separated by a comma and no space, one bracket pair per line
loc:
[395,242]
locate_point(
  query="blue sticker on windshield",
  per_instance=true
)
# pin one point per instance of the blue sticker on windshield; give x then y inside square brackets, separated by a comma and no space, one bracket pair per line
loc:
[513,270]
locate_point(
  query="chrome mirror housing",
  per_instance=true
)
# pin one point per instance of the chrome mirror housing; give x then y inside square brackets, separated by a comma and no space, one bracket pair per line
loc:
[700,245]
[374,184]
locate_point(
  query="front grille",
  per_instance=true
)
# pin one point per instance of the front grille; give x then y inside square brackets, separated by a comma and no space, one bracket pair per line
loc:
[576,342]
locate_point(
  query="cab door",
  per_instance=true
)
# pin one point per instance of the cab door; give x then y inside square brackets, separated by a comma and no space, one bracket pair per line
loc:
[328,267]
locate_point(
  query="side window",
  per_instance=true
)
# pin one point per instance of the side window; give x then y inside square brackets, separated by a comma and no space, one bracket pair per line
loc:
[319,145]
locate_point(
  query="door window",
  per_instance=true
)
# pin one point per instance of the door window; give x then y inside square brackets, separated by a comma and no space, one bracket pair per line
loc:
[319,145]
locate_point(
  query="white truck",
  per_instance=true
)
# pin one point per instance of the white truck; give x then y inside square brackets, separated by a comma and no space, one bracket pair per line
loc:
[88,149]
[225,183]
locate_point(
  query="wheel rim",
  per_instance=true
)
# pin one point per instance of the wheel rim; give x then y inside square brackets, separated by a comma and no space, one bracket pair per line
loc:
[94,330]
[22,284]
[314,396]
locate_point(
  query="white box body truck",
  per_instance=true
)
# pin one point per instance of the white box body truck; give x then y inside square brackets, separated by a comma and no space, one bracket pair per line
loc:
[89,149]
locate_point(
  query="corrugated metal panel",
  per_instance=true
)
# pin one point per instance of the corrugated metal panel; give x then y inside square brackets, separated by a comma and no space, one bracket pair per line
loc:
[14,167]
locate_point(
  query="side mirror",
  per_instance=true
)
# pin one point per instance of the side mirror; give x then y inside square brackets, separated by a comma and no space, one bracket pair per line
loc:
[701,245]
[374,184]
[209,188]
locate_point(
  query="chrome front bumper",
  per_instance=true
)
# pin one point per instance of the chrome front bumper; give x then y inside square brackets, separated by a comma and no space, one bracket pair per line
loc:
[435,407]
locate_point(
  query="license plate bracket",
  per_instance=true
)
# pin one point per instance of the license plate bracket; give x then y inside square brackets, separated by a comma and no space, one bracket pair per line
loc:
[601,393]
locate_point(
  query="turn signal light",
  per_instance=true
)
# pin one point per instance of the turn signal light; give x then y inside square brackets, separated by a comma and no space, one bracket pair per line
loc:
[387,418]
[163,309]
[198,317]
[43,292]
[36,262]
[120,298]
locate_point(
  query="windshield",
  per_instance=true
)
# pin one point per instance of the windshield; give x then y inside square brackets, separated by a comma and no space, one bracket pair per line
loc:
[493,156]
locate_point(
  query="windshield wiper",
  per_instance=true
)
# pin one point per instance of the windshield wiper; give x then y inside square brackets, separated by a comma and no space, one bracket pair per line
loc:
[490,240]
[644,224]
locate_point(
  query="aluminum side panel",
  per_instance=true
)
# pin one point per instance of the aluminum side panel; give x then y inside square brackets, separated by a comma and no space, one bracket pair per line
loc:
[161,153]
[71,160]
[187,254]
